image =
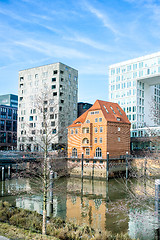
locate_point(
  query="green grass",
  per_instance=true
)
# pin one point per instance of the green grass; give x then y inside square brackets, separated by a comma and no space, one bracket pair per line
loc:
[16,223]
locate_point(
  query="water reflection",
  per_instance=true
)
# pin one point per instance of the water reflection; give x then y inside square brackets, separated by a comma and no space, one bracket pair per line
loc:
[97,203]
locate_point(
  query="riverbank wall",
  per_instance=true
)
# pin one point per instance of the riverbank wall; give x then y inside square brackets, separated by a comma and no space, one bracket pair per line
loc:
[96,168]
[146,166]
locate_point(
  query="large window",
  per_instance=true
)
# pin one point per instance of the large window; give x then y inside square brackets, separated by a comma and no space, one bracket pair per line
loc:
[98,153]
[74,152]
[87,151]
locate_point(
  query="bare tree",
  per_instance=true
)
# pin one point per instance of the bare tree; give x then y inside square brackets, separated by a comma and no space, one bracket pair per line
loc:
[43,141]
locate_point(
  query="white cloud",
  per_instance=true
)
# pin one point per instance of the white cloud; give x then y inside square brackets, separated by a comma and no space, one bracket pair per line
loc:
[52,50]
[103,17]
[89,42]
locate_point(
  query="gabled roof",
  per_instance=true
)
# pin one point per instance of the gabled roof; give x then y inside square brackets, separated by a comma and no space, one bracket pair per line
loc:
[111,111]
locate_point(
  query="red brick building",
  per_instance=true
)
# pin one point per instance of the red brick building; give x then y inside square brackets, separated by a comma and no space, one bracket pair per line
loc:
[102,128]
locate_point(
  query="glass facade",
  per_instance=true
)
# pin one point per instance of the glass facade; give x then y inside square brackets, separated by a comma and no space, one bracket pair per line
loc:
[132,84]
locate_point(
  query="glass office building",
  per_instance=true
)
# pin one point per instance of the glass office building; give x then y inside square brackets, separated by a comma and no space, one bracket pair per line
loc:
[135,86]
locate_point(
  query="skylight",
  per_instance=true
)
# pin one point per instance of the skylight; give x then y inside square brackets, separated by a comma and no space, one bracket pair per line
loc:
[119,110]
[105,109]
[112,110]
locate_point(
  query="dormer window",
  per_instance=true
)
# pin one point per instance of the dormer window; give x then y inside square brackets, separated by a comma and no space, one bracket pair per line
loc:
[88,121]
[118,119]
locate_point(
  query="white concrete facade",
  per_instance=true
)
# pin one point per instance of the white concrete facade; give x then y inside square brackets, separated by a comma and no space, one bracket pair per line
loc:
[57,85]
[135,86]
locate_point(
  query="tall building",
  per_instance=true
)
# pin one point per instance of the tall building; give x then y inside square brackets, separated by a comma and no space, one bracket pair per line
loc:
[83,107]
[102,128]
[8,127]
[9,100]
[57,85]
[135,86]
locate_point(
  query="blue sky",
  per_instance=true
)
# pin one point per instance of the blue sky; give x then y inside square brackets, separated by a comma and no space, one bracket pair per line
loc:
[87,35]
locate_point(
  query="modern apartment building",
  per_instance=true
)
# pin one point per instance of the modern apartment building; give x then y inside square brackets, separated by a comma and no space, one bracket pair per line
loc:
[9,100]
[102,128]
[8,127]
[53,88]
[135,86]
[83,107]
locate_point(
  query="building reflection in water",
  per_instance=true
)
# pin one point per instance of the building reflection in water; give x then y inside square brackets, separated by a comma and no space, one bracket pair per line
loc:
[87,202]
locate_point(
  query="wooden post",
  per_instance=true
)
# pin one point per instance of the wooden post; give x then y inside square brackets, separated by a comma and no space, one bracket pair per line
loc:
[9,171]
[157,207]
[2,173]
[107,167]
[145,167]
[126,165]
[82,167]
[93,170]
[51,193]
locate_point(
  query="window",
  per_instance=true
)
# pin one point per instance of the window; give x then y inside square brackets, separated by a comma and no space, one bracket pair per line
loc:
[87,151]
[71,131]
[100,140]
[119,139]
[76,131]
[53,79]
[55,94]
[74,152]
[52,124]
[85,130]
[31,118]
[119,129]
[101,129]
[88,121]
[95,130]
[118,119]
[54,131]
[95,112]
[55,71]
[95,140]
[52,116]
[85,141]
[51,109]
[96,119]
[61,72]
[8,126]
[53,86]
[2,125]
[100,119]
[98,153]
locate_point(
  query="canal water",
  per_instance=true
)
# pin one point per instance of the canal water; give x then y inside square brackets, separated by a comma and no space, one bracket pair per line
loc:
[117,205]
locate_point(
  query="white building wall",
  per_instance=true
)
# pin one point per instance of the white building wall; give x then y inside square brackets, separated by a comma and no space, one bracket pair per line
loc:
[60,83]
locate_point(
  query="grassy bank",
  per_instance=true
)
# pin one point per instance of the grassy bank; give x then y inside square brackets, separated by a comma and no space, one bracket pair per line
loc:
[13,232]
[18,223]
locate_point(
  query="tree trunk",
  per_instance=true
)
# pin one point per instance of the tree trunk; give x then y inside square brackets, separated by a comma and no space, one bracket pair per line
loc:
[44,215]
[45,197]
